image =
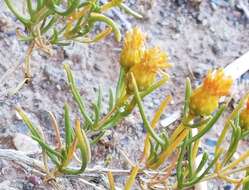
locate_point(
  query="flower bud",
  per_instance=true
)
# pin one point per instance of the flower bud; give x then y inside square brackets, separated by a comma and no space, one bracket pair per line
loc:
[145,71]
[132,51]
[201,103]
[205,99]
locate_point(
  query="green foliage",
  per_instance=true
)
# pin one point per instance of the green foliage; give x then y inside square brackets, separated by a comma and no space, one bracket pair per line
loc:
[61,22]
[62,156]
[178,150]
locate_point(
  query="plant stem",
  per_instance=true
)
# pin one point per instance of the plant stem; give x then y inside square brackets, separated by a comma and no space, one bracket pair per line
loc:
[111,181]
[148,127]
[230,118]
[170,149]
[236,162]
[132,178]
[110,113]
[226,173]
[94,17]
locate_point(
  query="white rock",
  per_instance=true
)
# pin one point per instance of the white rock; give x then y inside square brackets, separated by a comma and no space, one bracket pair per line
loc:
[6,185]
[26,144]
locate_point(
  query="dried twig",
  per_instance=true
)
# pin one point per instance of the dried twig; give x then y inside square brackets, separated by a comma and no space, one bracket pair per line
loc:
[89,184]
[126,157]
[20,157]
[57,131]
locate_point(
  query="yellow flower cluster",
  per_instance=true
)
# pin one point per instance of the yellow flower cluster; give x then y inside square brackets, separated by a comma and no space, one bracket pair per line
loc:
[205,99]
[244,117]
[143,63]
[133,48]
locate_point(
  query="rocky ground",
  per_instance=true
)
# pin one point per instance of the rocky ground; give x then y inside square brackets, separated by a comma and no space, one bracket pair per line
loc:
[196,37]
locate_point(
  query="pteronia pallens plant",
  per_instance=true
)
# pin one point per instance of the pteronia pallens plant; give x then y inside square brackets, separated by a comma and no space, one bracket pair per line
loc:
[169,156]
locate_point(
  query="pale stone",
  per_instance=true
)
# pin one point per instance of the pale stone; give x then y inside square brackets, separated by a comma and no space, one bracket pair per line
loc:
[26,144]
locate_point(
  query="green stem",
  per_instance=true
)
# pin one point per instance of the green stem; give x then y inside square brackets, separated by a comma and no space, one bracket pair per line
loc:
[190,157]
[227,125]
[68,128]
[235,137]
[40,4]
[94,17]
[96,139]
[179,169]
[209,125]
[60,11]
[22,19]
[85,151]
[47,147]
[246,185]
[76,94]
[200,166]
[198,179]
[49,25]
[130,11]
[40,15]
[152,88]
[188,92]
[147,125]
[120,84]
[30,8]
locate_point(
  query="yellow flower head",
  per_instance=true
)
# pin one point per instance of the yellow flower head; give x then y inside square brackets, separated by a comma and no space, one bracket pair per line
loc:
[132,51]
[205,99]
[145,72]
[217,84]
[244,117]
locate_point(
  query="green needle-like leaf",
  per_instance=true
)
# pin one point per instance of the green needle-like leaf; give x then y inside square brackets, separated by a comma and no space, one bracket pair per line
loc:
[120,84]
[97,115]
[148,91]
[40,4]
[94,17]
[30,8]
[84,147]
[76,94]
[130,11]
[190,157]
[204,160]
[68,128]
[179,170]
[149,129]
[22,19]
[96,139]
[49,25]
[112,122]
[188,92]
[111,100]
[34,131]
[60,11]
[47,147]
[197,179]
[208,126]
[99,100]
[236,135]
